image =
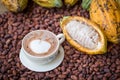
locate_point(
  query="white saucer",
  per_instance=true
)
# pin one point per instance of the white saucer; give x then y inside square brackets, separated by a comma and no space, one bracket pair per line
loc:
[42,67]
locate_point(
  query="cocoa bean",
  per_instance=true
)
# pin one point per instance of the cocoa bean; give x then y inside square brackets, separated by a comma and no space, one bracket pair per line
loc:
[3,69]
[90,77]
[1,20]
[14,72]
[118,79]
[73,77]
[63,76]
[107,75]
[106,70]
[100,76]
[23,78]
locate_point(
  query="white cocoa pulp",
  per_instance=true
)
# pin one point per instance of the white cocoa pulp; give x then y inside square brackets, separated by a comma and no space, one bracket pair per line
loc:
[83,34]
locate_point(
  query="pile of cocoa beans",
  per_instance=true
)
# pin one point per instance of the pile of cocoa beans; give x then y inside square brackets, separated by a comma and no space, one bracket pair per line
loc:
[75,66]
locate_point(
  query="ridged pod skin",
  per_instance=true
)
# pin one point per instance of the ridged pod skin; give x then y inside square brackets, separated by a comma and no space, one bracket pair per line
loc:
[106,13]
[118,1]
[49,3]
[70,2]
[79,47]
[15,5]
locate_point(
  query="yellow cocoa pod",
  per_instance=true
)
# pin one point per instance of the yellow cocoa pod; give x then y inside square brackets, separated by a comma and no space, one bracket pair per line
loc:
[107,15]
[70,2]
[84,35]
[118,1]
[15,5]
[49,3]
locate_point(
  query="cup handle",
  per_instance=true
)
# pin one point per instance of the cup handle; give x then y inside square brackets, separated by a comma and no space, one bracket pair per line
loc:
[61,38]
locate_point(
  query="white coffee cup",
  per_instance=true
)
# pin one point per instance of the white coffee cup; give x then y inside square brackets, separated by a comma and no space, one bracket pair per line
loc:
[48,58]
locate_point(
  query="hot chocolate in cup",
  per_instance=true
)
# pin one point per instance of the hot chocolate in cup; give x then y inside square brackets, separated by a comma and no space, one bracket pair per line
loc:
[41,46]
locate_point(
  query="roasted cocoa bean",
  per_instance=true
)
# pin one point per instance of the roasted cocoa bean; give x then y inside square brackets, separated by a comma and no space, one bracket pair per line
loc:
[62,76]
[1,20]
[73,77]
